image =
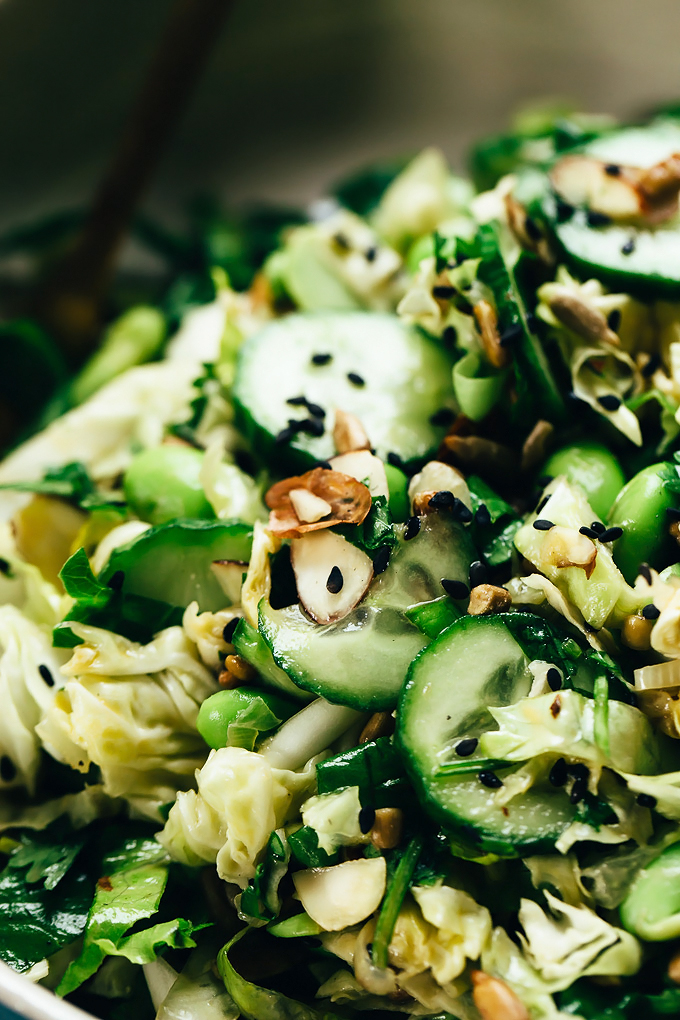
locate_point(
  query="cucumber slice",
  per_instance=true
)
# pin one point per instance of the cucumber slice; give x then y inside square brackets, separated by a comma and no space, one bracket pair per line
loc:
[400,378]
[476,662]
[643,261]
[171,562]
[361,660]
[252,647]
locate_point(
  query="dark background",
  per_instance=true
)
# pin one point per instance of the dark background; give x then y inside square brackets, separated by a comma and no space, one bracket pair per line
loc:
[299,91]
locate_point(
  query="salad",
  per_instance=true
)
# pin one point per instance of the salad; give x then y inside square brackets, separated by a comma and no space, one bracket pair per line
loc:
[340,631]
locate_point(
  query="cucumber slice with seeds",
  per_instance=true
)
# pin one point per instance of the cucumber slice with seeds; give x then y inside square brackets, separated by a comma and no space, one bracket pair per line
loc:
[476,662]
[361,660]
[388,374]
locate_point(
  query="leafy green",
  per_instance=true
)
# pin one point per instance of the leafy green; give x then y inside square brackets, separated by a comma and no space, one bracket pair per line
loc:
[375,530]
[71,482]
[394,897]
[375,767]
[433,617]
[130,890]
[304,845]
[47,862]
[261,900]
[494,540]
[258,1003]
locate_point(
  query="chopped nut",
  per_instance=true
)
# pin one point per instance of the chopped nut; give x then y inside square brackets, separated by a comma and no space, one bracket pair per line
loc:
[487,320]
[536,445]
[228,681]
[349,500]
[636,632]
[661,182]
[308,507]
[488,598]
[567,547]
[381,724]
[674,969]
[663,708]
[529,238]
[239,668]
[674,531]
[421,503]
[387,828]
[581,318]
[495,1000]
[348,433]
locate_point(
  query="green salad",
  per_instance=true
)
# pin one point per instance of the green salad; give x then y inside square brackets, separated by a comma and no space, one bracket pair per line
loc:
[340,622]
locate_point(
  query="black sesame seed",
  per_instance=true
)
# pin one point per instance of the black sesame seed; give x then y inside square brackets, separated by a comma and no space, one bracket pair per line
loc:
[558,773]
[578,790]
[597,219]
[321,359]
[543,525]
[511,334]
[284,436]
[356,379]
[116,580]
[554,678]
[456,589]
[598,527]
[46,675]
[442,500]
[645,572]
[466,747]
[588,532]
[4,566]
[444,416]
[610,534]
[629,247]
[650,612]
[612,169]
[8,769]
[532,322]
[652,365]
[614,320]
[395,460]
[366,819]
[490,779]
[412,528]
[673,513]
[312,426]
[578,770]
[646,800]
[335,581]
[564,211]
[316,410]
[482,516]
[297,401]
[325,465]
[449,336]
[229,629]
[532,228]
[371,253]
[609,402]
[341,242]
[541,504]
[478,573]
[442,291]
[381,559]
[461,512]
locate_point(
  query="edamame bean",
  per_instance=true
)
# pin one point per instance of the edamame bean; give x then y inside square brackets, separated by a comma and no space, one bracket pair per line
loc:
[651,909]
[594,468]
[640,509]
[253,710]
[163,483]
[397,483]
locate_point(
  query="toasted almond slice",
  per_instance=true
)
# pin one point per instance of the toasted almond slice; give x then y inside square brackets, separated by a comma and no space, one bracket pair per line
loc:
[366,468]
[582,180]
[331,574]
[349,500]
[229,574]
[308,507]
[348,433]
[567,547]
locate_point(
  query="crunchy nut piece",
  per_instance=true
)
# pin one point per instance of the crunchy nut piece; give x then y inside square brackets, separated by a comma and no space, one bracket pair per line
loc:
[536,445]
[567,547]
[228,681]
[348,433]
[636,632]
[661,182]
[526,232]
[349,499]
[495,1000]
[238,667]
[387,828]
[308,507]
[482,456]
[674,531]
[488,598]
[381,724]
[674,969]
[663,708]
[582,319]
[421,503]
[487,320]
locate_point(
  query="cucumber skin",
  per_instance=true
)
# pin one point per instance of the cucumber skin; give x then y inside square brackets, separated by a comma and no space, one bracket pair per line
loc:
[472,839]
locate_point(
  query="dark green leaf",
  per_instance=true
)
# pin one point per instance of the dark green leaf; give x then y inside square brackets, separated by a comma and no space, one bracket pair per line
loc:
[81,584]
[260,900]
[304,845]
[375,767]
[391,905]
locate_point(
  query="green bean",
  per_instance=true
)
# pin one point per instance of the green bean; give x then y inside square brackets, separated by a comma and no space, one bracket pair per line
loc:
[640,509]
[594,468]
[163,483]
[651,909]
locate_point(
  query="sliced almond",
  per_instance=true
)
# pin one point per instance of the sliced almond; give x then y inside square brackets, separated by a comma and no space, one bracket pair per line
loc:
[331,574]
[348,433]
[582,180]
[567,547]
[308,507]
[229,574]
[487,321]
[366,468]
[343,894]
[348,498]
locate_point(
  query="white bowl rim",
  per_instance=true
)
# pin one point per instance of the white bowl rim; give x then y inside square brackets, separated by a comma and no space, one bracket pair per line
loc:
[31,1001]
